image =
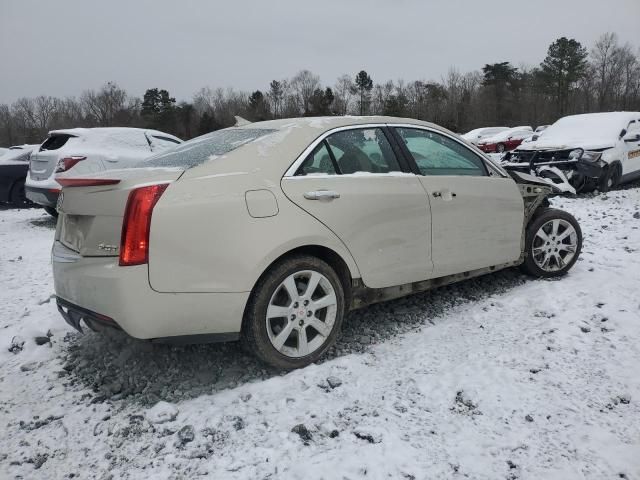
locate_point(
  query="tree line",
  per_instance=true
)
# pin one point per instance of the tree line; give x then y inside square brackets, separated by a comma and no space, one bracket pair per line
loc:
[570,79]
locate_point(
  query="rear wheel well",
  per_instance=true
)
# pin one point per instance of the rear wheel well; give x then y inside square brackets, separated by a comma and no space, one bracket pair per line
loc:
[329,256]
[334,260]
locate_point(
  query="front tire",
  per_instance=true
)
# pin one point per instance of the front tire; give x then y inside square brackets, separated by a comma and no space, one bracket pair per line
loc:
[295,312]
[501,148]
[552,245]
[610,178]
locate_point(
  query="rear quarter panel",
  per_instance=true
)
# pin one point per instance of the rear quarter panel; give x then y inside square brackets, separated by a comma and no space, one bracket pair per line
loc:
[203,238]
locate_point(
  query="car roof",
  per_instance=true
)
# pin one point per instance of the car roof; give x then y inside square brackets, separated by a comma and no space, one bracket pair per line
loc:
[288,139]
[322,124]
[109,131]
[612,116]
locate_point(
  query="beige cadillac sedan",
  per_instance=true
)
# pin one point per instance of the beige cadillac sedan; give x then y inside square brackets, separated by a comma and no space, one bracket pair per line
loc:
[271,231]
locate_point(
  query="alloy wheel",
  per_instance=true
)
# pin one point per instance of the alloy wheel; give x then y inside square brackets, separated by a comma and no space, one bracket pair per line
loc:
[301,313]
[554,245]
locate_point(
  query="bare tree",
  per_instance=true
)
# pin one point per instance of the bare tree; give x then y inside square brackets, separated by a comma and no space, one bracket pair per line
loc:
[304,83]
[343,91]
[276,96]
[105,104]
[604,60]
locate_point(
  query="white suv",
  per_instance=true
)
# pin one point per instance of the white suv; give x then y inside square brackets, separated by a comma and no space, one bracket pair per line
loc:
[88,150]
[592,150]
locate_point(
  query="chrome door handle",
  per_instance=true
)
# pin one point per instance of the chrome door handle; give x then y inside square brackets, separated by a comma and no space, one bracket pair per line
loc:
[446,194]
[322,195]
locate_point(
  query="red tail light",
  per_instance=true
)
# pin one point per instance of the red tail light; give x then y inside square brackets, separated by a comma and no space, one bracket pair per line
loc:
[134,246]
[86,182]
[66,163]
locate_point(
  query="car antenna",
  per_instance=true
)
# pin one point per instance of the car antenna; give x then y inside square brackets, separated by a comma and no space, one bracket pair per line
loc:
[240,122]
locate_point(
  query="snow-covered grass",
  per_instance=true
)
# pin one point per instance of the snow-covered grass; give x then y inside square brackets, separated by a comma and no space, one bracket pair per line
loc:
[498,377]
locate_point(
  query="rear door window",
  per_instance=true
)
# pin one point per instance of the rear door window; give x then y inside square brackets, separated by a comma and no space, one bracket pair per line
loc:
[437,154]
[363,150]
[318,162]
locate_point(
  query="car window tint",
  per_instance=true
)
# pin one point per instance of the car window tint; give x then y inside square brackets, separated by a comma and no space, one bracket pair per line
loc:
[54,142]
[318,162]
[436,154]
[206,147]
[363,150]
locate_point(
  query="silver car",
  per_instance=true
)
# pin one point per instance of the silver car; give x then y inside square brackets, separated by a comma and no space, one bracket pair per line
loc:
[270,232]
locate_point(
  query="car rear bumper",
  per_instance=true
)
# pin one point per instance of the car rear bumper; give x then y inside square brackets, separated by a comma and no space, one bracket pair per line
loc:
[99,292]
[74,315]
[47,197]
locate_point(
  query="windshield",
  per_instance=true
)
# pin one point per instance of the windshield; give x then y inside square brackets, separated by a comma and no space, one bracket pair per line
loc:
[200,149]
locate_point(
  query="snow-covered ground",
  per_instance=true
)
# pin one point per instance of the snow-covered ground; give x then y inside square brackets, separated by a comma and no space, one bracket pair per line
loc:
[498,377]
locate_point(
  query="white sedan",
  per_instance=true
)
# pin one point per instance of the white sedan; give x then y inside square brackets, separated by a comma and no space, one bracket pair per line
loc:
[270,232]
[477,135]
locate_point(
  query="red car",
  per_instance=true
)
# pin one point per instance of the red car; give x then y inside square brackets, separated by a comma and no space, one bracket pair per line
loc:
[505,141]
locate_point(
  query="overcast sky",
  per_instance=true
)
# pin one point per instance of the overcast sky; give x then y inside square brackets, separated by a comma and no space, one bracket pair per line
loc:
[63,47]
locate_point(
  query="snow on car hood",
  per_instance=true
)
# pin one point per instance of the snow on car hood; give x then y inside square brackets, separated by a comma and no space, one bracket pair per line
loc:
[18,156]
[588,131]
[558,143]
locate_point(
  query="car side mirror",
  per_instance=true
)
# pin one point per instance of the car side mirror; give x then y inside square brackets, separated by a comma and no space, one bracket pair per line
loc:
[630,137]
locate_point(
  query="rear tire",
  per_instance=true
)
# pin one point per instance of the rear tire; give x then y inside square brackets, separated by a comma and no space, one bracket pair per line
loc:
[610,178]
[288,326]
[51,211]
[552,244]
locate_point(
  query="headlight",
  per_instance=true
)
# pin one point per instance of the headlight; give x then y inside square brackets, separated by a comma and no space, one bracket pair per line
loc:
[576,154]
[591,156]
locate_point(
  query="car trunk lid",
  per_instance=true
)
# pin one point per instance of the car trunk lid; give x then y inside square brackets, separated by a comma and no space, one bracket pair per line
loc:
[45,159]
[90,217]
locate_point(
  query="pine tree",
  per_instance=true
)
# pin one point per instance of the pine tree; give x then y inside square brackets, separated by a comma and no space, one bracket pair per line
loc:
[258,107]
[364,85]
[208,123]
[159,110]
[276,93]
[502,79]
[563,67]
[321,101]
